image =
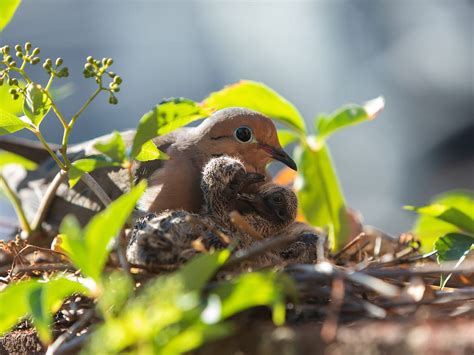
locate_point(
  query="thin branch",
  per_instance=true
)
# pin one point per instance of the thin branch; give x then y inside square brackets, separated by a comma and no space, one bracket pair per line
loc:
[48,199]
[96,188]
[48,149]
[11,195]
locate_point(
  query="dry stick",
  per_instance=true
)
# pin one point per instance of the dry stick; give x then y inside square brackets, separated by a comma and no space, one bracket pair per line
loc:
[329,328]
[447,267]
[75,328]
[96,188]
[258,249]
[348,245]
[48,199]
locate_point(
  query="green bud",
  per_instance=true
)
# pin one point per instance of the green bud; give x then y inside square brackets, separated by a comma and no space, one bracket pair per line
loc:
[113,100]
[12,64]
[35,60]
[112,74]
[16,96]
[27,46]
[117,80]
[63,73]
[8,58]
[89,67]
[36,51]
[18,48]
[48,62]
[12,91]
[90,59]
[14,82]
[104,61]
[59,61]
[86,73]
[19,54]
[6,49]
[110,61]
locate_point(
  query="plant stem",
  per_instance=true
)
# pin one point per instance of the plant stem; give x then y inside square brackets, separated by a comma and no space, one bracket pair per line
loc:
[54,106]
[68,127]
[48,199]
[48,148]
[16,204]
[96,188]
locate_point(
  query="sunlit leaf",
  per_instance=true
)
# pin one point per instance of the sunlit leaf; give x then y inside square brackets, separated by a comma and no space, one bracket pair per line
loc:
[259,97]
[114,147]
[82,166]
[319,194]
[447,214]
[11,158]
[14,301]
[240,294]
[429,229]
[88,249]
[7,10]
[9,123]
[165,118]
[6,101]
[36,104]
[286,137]
[149,151]
[453,246]
[348,116]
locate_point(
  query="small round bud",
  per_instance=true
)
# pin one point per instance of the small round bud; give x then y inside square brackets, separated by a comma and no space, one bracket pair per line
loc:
[35,60]
[18,48]
[63,73]
[90,59]
[104,61]
[8,58]
[112,74]
[88,67]
[13,64]
[12,91]
[59,61]
[14,82]
[27,46]
[19,54]
[16,96]
[36,51]
[6,49]
[113,100]
[110,61]
[117,80]
[48,62]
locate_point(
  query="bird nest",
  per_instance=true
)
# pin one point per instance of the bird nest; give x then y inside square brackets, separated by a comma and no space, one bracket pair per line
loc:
[378,294]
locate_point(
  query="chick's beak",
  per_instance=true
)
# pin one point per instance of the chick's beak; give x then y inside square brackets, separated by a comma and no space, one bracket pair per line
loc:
[280,155]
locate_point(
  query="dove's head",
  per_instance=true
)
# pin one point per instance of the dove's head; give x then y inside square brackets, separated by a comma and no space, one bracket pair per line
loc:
[245,134]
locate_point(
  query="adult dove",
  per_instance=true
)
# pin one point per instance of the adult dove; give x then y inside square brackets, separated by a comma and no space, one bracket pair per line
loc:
[172,184]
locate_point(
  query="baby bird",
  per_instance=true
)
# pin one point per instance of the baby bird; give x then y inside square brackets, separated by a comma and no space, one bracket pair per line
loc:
[168,238]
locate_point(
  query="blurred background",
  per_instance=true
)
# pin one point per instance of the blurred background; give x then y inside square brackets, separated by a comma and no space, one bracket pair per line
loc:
[318,54]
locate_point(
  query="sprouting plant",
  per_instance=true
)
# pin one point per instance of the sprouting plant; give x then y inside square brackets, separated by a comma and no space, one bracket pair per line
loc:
[447,226]
[38,101]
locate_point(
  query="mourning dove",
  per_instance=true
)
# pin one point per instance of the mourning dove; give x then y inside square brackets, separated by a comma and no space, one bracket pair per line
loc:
[168,238]
[172,184]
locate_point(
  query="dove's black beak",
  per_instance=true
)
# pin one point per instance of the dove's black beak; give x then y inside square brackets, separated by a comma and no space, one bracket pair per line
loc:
[280,155]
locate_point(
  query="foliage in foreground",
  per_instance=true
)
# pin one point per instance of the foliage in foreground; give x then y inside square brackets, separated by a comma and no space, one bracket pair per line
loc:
[447,226]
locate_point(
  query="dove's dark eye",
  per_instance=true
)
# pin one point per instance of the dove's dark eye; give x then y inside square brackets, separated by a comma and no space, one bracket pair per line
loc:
[243,134]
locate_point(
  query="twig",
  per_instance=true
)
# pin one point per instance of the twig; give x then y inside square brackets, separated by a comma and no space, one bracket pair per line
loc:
[48,199]
[258,249]
[348,245]
[55,347]
[329,328]
[16,204]
[96,188]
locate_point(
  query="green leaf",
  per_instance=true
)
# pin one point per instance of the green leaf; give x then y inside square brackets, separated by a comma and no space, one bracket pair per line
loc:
[7,10]
[38,299]
[165,118]
[36,104]
[88,249]
[240,294]
[82,166]
[348,116]
[429,229]
[14,301]
[259,97]
[11,158]
[286,137]
[6,101]
[9,123]
[453,246]
[114,147]
[319,193]
[447,214]
[149,151]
